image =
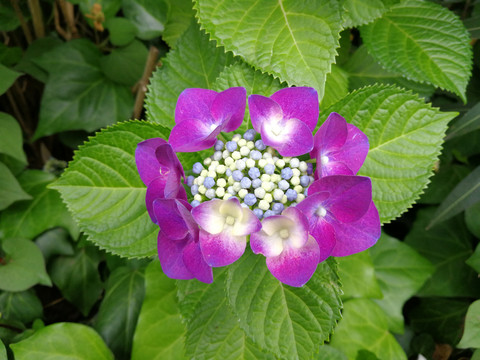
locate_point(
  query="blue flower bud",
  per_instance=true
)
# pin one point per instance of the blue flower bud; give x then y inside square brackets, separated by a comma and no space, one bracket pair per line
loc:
[197,168]
[245,182]
[250,199]
[249,135]
[195,203]
[258,213]
[231,146]
[190,180]
[254,173]
[237,175]
[256,183]
[209,182]
[291,194]
[287,173]
[228,172]
[283,185]
[194,189]
[277,208]
[255,155]
[309,168]
[269,169]
[260,145]
[219,145]
[268,213]
[304,180]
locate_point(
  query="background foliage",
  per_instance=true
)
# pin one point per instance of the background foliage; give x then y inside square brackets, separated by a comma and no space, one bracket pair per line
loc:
[78,275]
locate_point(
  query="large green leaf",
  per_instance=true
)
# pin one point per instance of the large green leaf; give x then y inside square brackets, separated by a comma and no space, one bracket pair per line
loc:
[12,140]
[359,12]
[104,192]
[287,321]
[471,334]
[401,272]
[23,265]
[423,41]
[118,313]
[196,62]
[364,327]
[298,38]
[77,94]
[68,341]
[27,219]
[447,246]
[405,136]
[11,191]
[160,332]
[23,306]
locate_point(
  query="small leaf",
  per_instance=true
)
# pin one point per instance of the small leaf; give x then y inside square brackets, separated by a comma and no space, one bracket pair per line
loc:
[78,279]
[466,124]
[23,265]
[28,219]
[423,41]
[103,190]
[471,334]
[7,78]
[405,137]
[21,306]
[474,260]
[464,195]
[298,39]
[195,63]
[12,140]
[118,313]
[160,332]
[401,272]
[121,30]
[179,18]
[360,12]
[54,242]
[447,246]
[364,327]
[148,17]
[62,341]
[289,322]
[10,191]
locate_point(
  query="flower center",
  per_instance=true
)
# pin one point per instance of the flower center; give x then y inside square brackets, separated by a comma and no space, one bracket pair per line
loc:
[321,211]
[257,175]
[284,234]
[324,159]
[230,220]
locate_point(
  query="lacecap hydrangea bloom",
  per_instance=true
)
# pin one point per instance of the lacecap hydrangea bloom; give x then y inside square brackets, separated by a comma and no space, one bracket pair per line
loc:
[292,194]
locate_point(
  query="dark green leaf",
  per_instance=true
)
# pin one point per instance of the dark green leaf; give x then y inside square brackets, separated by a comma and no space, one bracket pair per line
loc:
[3,351]
[121,30]
[10,55]
[473,26]
[12,140]
[8,19]
[54,242]
[10,191]
[78,279]
[7,78]
[147,16]
[467,123]
[447,246]
[118,313]
[474,260]
[472,214]
[22,306]
[62,341]
[23,265]
[471,334]
[180,15]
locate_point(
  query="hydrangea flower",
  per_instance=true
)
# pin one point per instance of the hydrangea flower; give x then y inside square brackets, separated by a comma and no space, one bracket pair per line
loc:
[258,186]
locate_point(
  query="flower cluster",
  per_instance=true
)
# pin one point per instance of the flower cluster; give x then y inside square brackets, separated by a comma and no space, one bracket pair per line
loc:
[293,195]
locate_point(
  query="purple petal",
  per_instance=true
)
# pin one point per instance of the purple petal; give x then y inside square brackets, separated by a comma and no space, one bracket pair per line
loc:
[331,136]
[194,135]
[146,160]
[358,236]
[263,109]
[299,103]
[208,216]
[295,266]
[155,190]
[229,108]
[195,263]
[355,150]
[194,104]
[350,196]
[170,253]
[168,160]
[289,137]
[221,249]
[332,167]
[169,218]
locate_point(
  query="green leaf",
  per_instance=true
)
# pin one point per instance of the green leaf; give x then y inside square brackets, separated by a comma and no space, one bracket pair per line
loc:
[358,277]
[148,17]
[363,70]
[125,65]
[121,31]
[160,332]
[62,341]
[287,321]
[447,246]
[336,86]
[474,260]
[330,353]
[8,19]
[23,265]
[423,41]
[21,306]
[472,25]
[28,219]
[103,190]
[401,272]
[360,12]
[443,318]
[54,242]
[3,351]
[464,195]
[471,334]
[118,313]
[364,327]
[78,279]
[10,191]
[12,140]
[405,136]
[10,55]
[466,124]
[179,18]
[298,39]
[7,78]
[78,96]
[196,62]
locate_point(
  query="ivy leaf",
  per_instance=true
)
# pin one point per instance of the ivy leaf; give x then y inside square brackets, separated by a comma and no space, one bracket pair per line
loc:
[405,136]
[160,332]
[401,272]
[12,140]
[471,334]
[11,191]
[360,12]
[364,327]
[447,246]
[196,62]
[21,306]
[298,39]
[62,341]
[286,321]
[23,266]
[103,190]
[148,17]
[78,96]
[78,279]
[27,219]
[423,41]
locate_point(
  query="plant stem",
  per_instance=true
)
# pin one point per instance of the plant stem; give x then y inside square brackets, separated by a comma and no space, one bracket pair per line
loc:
[25,28]
[37,18]
[141,86]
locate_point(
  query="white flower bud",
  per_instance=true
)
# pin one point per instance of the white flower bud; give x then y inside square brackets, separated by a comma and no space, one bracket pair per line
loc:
[200,180]
[217,155]
[265,177]
[202,189]
[298,189]
[220,192]
[198,197]
[268,186]
[225,154]
[229,161]
[300,197]
[221,169]
[262,163]
[280,163]
[259,192]
[303,166]
[236,155]
[207,161]
[278,194]
[250,145]
[236,186]
[268,198]
[250,163]
[242,193]
[264,205]
[242,142]
[204,173]
[244,151]
[294,162]
[296,172]
[295,180]
[236,137]
[221,183]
